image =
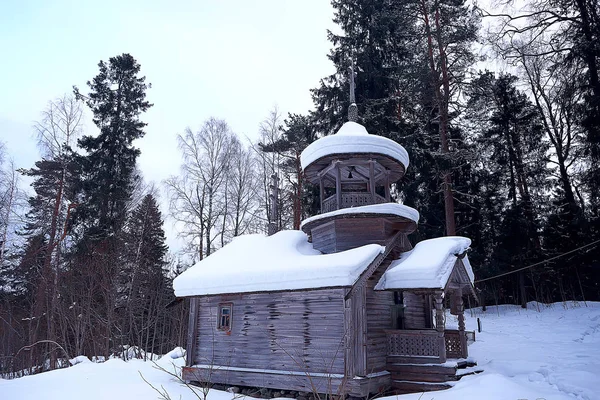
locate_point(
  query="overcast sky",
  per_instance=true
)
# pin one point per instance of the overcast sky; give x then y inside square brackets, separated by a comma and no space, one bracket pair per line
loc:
[234,60]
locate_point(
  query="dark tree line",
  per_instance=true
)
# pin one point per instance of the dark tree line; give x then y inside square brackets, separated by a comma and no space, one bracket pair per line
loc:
[508,158]
[93,275]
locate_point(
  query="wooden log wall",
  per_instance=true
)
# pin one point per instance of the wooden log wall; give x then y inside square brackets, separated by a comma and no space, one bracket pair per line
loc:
[329,384]
[379,319]
[285,331]
[369,314]
[324,237]
[348,233]
[379,306]
[417,311]
[192,321]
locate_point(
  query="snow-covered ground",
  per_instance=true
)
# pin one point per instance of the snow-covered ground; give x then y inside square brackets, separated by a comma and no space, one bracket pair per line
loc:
[553,353]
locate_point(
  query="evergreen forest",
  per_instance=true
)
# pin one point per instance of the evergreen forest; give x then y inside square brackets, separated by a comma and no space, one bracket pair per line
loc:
[508,157]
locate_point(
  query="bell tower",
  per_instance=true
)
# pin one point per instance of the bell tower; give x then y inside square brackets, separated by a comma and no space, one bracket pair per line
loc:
[354,170]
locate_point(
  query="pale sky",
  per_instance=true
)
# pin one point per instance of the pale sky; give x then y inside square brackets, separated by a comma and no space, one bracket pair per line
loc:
[233,60]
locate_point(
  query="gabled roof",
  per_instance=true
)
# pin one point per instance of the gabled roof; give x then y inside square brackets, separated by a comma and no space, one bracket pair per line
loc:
[428,266]
[283,261]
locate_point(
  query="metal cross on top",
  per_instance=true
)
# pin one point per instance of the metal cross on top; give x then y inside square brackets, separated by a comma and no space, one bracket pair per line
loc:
[352,109]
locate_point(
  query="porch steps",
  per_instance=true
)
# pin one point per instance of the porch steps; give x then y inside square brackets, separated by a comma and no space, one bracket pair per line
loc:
[420,377]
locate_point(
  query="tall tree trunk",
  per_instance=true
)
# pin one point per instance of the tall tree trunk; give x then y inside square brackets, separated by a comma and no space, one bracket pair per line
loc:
[298,195]
[442,100]
[444,119]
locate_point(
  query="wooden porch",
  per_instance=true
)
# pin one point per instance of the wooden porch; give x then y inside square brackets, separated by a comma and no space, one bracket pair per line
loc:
[426,345]
[429,358]
[426,360]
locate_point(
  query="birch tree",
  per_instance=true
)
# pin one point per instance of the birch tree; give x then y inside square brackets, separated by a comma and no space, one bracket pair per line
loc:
[198,197]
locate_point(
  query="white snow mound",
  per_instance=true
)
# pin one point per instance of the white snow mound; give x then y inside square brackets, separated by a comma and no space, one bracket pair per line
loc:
[283,261]
[428,265]
[550,352]
[385,208]
[353,138]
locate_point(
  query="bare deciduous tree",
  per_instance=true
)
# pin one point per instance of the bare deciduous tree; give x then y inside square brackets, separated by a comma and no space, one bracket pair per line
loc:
[269,164]
[10,203]
[242,191]
[198,198]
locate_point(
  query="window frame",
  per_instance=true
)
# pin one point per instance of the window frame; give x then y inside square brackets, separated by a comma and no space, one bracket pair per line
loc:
[220,326]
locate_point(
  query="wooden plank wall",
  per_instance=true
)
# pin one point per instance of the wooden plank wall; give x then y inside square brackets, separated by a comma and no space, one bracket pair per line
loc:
[289,331]
[358,330]
[417,311]
[379,310]
[323,237]
[192,321]
[368,315]
[262,379]
[356,232]
[379,318]
[348,233]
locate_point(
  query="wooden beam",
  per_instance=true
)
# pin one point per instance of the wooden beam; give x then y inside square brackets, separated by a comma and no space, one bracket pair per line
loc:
[372,180]
[321,192]
[349,336]
[329,171]
[338,187]
[381,175]
[192,336]
[359,299]
[331,166]
[387,186]
[350,163]
[355,161]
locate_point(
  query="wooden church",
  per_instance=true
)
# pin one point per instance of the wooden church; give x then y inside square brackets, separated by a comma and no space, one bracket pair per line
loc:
[346,306]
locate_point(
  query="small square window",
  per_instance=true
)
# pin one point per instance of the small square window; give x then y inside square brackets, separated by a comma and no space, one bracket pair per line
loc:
[224,321]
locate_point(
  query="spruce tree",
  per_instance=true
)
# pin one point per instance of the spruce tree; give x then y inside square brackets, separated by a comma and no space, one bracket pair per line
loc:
[396,88]
[117,98]
[142,276]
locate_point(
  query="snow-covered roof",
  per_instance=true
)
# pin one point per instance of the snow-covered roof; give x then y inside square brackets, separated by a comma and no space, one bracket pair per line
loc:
[385,208]
[283,261]
[353,138]
[428,266]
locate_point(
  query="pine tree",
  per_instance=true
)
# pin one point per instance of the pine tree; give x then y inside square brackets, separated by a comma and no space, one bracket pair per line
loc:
[53,182]
[512,161]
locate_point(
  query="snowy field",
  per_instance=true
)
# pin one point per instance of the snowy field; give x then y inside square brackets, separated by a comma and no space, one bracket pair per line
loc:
[553,353]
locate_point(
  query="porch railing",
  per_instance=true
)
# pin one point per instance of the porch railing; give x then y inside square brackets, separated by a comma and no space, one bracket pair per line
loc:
[426,344]
[351,199]
[454,346]
[415,343]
